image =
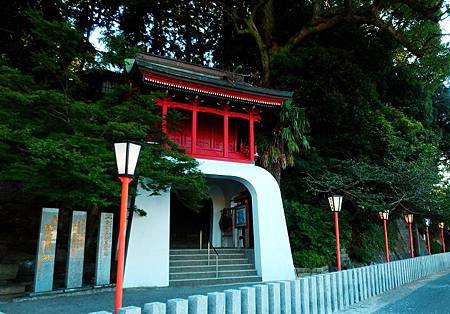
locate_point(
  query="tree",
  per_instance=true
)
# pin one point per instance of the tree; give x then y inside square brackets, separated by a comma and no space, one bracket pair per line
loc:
[275,27]
[59,149]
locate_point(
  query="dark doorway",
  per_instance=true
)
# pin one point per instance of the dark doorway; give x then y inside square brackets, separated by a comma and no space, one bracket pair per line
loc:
[186,224]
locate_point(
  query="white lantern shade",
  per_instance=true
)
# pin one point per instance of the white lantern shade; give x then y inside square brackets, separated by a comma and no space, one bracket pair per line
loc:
[427,222]
[384,215]
[409,218]
[127,155]
[441,225]
[335,202]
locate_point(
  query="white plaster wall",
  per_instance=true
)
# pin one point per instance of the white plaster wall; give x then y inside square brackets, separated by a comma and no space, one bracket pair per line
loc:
[218,201]
[273,258]
[147,260]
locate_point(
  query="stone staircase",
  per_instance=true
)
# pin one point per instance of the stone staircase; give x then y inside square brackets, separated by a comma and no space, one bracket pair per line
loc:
[189,267]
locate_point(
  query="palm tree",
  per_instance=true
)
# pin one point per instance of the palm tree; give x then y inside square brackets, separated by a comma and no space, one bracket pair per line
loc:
[288,138]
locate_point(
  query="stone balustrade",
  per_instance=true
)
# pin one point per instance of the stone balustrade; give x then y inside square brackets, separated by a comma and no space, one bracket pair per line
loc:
[325,293]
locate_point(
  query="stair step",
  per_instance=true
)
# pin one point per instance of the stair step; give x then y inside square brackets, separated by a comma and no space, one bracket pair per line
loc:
[215,281]
[205,256]
[12,289]
[212,274]
[211,267]
[205,251]
[204,262]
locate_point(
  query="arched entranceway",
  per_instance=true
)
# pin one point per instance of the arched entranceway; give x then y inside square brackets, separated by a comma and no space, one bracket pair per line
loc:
[224,220]
[148,255]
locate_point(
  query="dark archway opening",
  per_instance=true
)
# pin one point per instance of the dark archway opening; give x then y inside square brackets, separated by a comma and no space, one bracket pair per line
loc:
[186,224]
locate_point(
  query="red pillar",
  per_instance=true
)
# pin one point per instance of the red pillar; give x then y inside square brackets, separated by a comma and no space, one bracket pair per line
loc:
[165,107]
[252,136]
[386,243]
[225,133]
[443,240]
[411,244]
[338,244]
[194,129]
[121,245]
[428,242]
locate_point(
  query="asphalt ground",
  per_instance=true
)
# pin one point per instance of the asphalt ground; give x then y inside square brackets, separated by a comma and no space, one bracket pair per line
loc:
[428,295]
[82,303]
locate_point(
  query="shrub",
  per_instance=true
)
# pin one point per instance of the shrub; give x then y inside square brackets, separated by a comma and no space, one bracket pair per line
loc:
[309,259]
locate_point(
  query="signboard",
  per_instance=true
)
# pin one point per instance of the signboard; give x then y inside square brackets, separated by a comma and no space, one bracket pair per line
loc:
[104,245]
[240,216]
[74,276]
[45,259]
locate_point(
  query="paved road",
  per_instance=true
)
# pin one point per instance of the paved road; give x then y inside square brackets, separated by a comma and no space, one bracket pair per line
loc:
[429,295]
[79,304]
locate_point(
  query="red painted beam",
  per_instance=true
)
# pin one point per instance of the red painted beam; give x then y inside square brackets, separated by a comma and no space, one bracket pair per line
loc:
[251,136]
[210,90]
[220,112]
[194,129]
[225,133]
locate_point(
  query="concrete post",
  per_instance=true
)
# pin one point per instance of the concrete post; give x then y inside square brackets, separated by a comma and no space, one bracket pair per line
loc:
[312,295]
[198,304]
[285,297]
[345,285]
[274,298]
[232,301]
[334,293]
[216,303]
[377,279]
[177,306]
[385,277]
[340,289]
[327,286]
[402,272]
[398,274]
[154,308]
[320,285]
[356,285]
[262,299]
[248,300]
[351,291]
[360,284]
[130,310]
[295,297]
[304,295]
[365,282]
[372,290]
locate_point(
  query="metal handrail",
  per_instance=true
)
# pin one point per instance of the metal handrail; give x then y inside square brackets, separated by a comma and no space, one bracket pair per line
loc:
[217,257]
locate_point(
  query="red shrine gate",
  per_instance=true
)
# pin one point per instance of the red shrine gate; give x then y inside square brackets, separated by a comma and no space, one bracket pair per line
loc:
[244,218]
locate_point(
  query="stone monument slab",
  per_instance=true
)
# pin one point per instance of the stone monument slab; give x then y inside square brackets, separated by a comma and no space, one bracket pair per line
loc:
[45,260]
[104,245]
[75,260]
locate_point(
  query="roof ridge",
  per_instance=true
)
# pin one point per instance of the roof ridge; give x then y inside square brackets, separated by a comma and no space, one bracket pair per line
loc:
[189,65]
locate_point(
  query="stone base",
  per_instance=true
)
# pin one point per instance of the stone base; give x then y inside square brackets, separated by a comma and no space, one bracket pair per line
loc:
[12,289]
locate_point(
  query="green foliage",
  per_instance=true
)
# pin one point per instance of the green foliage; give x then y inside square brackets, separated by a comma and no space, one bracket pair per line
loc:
[309,259]
[311,230]
[59,149]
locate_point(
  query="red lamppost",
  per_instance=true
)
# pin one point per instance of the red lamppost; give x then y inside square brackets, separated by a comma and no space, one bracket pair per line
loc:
[427,224]
[384,215]
[127,155]
[441,227]
[335,202]
[409,221]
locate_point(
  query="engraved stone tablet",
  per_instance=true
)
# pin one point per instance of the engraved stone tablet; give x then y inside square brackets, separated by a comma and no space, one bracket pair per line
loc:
[45,261]
[74,276]
[104,241]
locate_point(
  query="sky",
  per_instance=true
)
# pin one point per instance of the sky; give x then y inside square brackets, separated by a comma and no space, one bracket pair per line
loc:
[96,34]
